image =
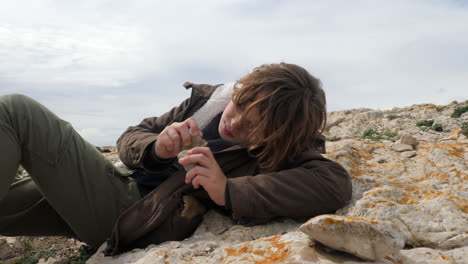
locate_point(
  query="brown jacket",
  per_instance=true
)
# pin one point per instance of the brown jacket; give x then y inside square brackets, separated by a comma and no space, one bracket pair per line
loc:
[312,185]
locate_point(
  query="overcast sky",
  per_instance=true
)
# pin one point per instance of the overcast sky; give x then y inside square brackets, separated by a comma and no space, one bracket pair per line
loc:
[104,65]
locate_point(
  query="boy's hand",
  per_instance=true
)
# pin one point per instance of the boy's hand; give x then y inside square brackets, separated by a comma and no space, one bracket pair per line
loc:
[206,173]
[169,140]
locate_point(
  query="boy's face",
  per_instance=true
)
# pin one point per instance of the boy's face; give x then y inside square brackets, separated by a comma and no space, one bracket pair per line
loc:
[229,127]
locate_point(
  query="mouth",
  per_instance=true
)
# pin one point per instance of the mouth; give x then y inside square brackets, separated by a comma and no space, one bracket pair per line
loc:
[227,132]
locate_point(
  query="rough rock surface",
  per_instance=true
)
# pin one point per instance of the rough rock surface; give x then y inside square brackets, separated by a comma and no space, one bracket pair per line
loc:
[423,192]
[409,140]
[364,238]
[400,147]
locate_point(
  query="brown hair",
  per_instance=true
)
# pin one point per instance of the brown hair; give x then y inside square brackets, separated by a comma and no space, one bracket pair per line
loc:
[292,110]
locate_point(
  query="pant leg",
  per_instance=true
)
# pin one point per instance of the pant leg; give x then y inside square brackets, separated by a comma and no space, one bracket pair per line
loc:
[78,182]
[25,212]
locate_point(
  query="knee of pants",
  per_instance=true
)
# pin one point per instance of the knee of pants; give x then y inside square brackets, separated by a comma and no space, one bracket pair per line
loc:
[18,101]
[17,106]
[35,127]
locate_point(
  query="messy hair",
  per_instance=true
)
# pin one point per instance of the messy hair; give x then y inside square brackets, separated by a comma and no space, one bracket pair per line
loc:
[292,108]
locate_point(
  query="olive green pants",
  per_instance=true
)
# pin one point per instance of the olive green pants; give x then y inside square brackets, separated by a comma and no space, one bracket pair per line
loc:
[73,189]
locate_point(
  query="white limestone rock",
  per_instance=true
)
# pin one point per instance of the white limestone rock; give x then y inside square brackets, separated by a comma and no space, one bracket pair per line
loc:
[409,140]
[425,196]
[204,246]
[459,255]
[434,256]
[364,238]
[400,147]
[408,154]
[439,222]
[292,247]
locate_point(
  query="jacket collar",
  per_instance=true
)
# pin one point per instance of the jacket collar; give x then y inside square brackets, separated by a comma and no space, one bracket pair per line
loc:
[201,90]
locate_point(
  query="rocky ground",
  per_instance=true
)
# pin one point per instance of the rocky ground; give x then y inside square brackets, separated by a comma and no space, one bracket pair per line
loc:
[410,193]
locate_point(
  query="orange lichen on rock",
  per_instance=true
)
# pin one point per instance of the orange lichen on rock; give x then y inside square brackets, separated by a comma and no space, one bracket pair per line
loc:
[330,221]
[394,260]
[462,207]
[407,199]
[459,203]
[234,251]
[276,253]
[355,173]
[413,188]
[355,164]
[339,220]
[362,161]
[442,257]
[456,149]
[356,219]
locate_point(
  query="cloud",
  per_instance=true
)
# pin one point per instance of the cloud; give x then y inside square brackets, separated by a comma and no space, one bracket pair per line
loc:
[84,56]
[108,64]
[91,132]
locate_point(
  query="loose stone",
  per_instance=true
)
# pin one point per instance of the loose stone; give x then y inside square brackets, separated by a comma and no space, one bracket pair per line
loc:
[364,238]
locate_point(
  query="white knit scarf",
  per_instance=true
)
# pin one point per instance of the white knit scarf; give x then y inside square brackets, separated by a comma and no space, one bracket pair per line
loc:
[215,105]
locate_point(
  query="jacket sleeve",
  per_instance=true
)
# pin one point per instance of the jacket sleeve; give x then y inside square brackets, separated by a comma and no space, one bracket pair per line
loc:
[314,187]
[135,143]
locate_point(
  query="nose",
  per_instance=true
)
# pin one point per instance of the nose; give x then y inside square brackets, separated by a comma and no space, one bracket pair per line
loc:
[235,123]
